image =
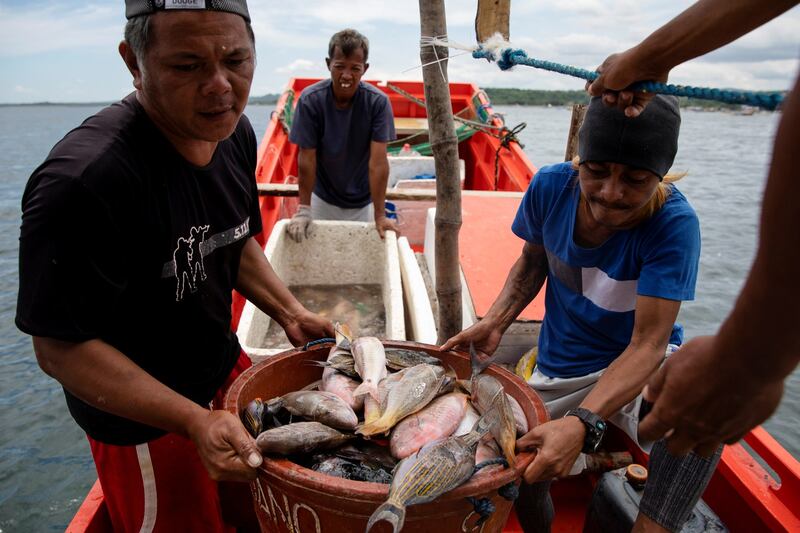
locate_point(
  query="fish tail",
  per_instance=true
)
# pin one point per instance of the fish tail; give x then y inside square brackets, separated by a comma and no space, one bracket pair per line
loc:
[374,428]
[344,337]
[477,365]
[388,512]
[367,388]
[508,452]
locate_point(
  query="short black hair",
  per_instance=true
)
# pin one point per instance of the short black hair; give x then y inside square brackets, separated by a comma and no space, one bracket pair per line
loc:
[347,41]
[139,37]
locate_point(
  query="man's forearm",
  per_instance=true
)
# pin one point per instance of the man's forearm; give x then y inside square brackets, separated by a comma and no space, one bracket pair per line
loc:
[307,176]
[524,281]
[378,180]
[105,378]
[624,379]
[697,30]
[258,282]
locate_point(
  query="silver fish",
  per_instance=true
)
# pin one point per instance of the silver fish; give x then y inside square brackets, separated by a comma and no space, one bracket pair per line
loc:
[396,359]
[370,363]
[365,451]
[418,386]
[319,406]
[341,361]
[400,358]
[300,437]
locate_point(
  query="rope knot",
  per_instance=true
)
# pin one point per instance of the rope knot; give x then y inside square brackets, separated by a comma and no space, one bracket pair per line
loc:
[510,57]
[483,507]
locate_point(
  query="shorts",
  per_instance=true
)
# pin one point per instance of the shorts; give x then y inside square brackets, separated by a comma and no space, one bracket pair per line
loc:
[161,485]
[322,210]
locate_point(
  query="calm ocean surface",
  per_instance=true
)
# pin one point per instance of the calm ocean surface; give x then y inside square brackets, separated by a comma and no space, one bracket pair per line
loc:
[45,465]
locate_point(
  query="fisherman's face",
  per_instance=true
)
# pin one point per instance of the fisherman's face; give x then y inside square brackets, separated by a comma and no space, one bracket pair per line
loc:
[346,72]
[616,193]
[196,74]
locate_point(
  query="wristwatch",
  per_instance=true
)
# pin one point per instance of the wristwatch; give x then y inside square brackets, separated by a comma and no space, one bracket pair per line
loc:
[595,428]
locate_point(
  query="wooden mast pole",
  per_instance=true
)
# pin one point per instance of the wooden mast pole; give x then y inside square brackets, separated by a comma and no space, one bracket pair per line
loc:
[444,143]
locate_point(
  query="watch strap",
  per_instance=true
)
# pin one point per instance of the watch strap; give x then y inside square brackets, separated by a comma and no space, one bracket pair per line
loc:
[595,428]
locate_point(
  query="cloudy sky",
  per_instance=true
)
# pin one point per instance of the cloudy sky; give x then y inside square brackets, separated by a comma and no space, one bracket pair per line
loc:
[65,50]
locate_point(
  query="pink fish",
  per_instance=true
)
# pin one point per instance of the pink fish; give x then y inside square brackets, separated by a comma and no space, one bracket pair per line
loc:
[435,421]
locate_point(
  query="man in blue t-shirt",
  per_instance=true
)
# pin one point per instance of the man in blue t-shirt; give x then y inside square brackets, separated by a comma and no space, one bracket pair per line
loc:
[341,126]
[619,247]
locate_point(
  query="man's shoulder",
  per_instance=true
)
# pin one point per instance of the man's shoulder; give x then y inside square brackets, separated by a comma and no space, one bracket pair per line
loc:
[676,206]
[103,145]
[554,177]
[316,91]
[373,96]
[103,134]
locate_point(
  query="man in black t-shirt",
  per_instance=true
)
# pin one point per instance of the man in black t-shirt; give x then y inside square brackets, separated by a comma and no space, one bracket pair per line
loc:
[135,231]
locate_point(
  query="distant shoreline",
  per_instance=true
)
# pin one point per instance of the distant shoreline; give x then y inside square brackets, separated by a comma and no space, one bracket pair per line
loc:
[498,96]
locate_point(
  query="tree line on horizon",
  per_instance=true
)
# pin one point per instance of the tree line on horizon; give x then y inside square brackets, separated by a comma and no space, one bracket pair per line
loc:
[536,97]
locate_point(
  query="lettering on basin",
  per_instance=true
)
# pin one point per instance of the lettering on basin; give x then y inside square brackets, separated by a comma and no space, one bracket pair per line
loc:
[288,516]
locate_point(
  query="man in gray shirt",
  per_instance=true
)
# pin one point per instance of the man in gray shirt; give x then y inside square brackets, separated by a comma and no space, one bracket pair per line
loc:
[342,126]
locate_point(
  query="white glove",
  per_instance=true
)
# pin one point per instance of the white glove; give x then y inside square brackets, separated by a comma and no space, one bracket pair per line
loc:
[301,222]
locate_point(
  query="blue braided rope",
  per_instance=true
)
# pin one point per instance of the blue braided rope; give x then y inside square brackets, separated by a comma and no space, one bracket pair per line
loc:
[483,507]
[510,57]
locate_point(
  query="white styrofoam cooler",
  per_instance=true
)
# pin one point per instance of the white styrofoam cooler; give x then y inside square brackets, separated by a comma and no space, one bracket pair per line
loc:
[335,253]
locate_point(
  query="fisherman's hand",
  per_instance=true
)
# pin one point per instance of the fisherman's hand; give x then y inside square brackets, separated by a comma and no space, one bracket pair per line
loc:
[702,398]
[300,224]
[306,326]
[617,73]
[484,336]
[384,224]
[225,447]
[559,444]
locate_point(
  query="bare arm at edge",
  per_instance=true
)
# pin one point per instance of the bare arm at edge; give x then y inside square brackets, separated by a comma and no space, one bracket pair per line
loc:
[703,27]
[715,389]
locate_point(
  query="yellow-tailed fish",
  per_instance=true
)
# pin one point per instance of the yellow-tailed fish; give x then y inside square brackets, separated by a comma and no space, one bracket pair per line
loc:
[418,386]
